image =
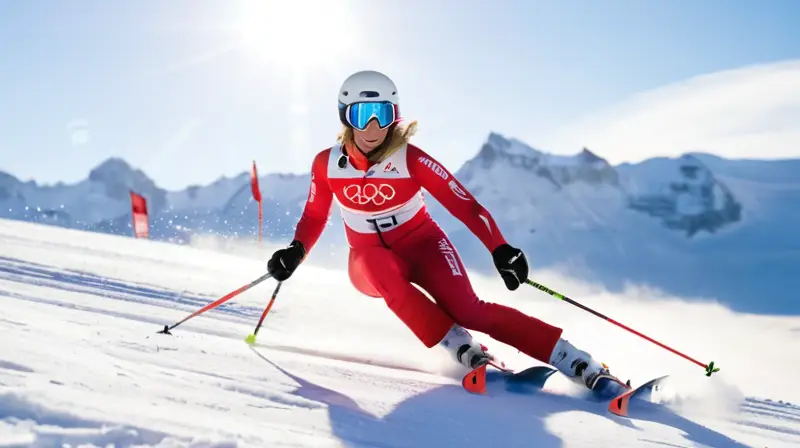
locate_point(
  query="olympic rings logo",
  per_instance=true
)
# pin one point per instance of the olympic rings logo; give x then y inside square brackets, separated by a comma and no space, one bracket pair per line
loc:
[363,195]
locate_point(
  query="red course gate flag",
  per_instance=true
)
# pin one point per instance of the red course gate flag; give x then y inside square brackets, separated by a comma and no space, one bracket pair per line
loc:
[257,198]
[139,211]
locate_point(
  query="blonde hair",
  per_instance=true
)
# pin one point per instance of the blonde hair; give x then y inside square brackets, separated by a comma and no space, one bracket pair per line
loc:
[399,135]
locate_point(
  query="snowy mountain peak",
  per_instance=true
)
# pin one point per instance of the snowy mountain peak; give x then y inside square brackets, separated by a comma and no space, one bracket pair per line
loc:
[510,146]
[559,170]
[587,157]
[104,194]
[10,187]
[115,171]
[118,178]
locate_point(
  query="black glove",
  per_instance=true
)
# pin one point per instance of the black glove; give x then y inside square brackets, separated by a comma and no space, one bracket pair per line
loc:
[285,261]
[511,264]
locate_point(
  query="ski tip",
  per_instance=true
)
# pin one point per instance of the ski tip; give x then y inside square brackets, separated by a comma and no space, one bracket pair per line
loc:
[250,339]
[475,381]
[619,405]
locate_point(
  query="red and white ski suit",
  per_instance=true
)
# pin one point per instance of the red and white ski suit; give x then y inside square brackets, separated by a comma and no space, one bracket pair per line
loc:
[395,244]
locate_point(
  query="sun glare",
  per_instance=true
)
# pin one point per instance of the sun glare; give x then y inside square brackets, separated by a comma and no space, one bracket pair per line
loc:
[294,34]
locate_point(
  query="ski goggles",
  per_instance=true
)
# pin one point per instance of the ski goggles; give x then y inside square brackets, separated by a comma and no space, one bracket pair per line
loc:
[358,115]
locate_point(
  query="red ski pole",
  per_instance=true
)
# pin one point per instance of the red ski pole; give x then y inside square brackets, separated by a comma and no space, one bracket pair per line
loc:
[709,368]
[217,303]
[251,338]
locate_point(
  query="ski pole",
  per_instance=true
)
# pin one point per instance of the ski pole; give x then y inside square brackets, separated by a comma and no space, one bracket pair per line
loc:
[217,303]
[708,367]
[251,338]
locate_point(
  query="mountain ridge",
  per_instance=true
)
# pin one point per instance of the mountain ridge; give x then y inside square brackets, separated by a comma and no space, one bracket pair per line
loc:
[102,167]
[613,224]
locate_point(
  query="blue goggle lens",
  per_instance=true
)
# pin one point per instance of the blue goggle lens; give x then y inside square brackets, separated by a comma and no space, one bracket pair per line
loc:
[360,114]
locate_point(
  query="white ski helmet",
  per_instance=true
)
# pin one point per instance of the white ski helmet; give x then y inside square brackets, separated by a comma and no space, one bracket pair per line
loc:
[367,86]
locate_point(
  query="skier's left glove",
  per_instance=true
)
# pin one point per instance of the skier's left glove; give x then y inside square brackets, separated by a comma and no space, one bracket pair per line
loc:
[511,264]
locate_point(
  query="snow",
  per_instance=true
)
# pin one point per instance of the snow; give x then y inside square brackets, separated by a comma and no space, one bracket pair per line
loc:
[81,363]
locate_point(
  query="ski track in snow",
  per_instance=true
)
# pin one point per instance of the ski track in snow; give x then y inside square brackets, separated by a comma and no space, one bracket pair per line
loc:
[81,365]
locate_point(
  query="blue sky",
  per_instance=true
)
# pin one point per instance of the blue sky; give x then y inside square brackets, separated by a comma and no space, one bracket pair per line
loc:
[191,90]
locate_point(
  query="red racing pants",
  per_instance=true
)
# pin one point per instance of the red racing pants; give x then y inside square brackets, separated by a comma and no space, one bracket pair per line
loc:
[426,258]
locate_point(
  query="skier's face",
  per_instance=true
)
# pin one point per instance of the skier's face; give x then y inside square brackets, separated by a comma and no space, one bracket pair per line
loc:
[371,137]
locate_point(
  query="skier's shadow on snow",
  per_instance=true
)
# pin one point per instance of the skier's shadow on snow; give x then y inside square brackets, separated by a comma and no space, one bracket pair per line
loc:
[447,416]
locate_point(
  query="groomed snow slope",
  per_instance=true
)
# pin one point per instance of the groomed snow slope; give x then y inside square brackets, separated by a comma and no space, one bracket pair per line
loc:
[81,363]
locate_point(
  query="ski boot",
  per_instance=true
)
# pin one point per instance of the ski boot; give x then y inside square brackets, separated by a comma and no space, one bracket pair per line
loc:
[583,369]
[464,349]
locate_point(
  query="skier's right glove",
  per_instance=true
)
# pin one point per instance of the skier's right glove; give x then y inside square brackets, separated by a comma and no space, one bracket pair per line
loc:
[284,261]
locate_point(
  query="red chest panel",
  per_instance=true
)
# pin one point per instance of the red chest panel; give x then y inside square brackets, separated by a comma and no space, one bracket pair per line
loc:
[385,196]
[382,187]
[373,195]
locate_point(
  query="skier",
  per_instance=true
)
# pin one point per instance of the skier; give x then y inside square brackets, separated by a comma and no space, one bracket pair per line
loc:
[376,175]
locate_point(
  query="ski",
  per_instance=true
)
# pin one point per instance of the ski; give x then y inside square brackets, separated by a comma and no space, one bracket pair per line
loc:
[475,380]
[619,405]
[534,378]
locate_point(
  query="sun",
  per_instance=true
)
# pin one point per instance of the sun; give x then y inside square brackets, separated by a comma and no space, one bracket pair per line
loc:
[295,34]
